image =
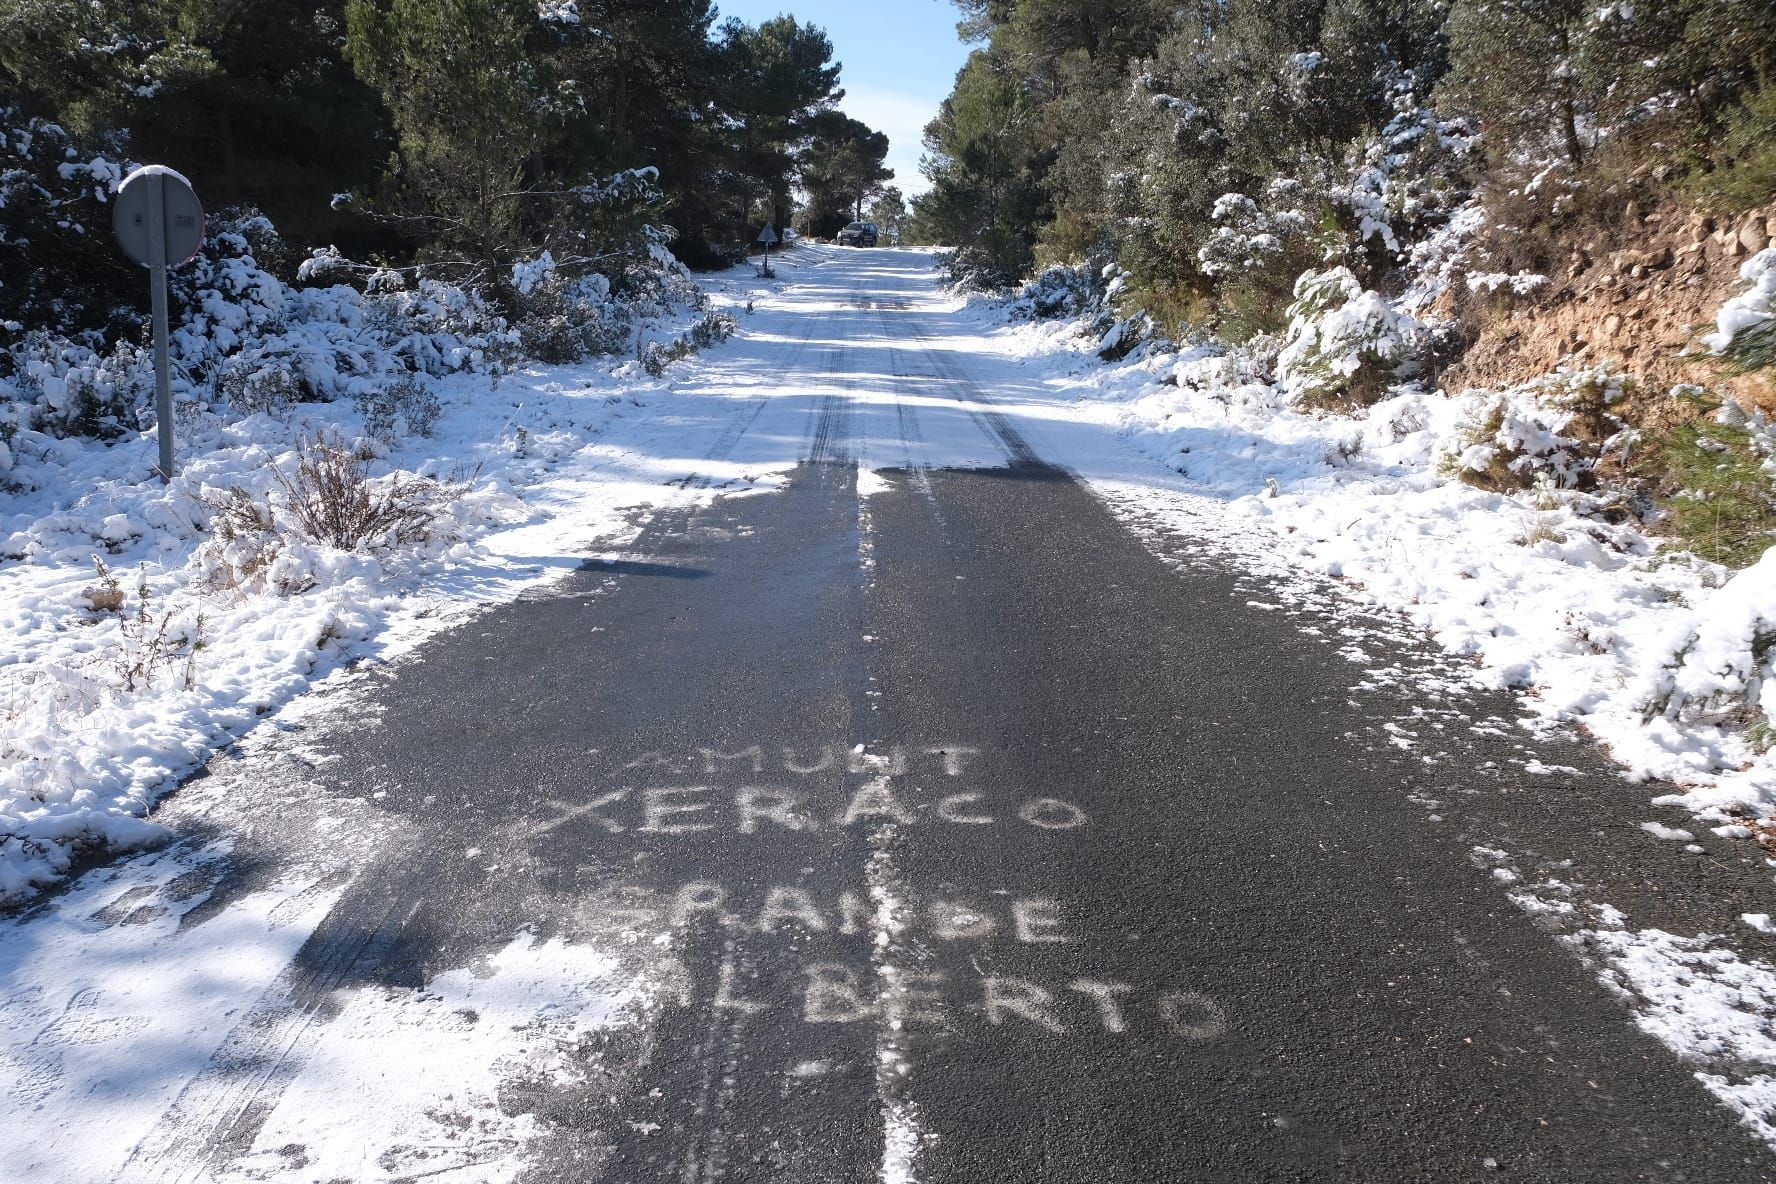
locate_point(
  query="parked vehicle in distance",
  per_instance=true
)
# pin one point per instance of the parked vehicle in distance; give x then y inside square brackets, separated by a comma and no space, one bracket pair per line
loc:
[858,234]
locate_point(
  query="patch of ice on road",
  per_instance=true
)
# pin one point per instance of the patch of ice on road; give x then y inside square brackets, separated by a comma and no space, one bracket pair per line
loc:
[408,1083]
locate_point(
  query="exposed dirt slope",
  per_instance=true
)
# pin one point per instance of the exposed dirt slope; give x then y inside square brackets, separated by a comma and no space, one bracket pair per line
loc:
[1636,301]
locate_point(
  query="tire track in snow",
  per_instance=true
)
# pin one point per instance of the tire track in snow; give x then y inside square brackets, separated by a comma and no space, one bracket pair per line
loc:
[219,1112]
[831,430]
[736,429]
[906,417]
[222,1108]
[964,390]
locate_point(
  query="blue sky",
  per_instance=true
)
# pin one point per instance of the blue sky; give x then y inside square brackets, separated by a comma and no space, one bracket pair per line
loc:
[899,58]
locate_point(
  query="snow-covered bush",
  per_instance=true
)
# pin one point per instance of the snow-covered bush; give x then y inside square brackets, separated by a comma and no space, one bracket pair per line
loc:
[405,401]
[1058,291]
[1745,330]
[1246,236]
[439,329]
[1124,335]
[1719,664]
[562,321]
[245,339]
[55,220]
[253,385]
[224,297]
[1405,181]
[60,387]
[1344,345]
[659,277]
[1550,431]
[244,544]
[713,329]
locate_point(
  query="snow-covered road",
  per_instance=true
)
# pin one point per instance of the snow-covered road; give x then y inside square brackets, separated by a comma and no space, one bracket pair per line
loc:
[866,766]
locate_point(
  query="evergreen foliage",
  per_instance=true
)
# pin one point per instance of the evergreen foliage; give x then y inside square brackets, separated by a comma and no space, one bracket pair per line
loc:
[841,169]
[463,139]
[1220,150]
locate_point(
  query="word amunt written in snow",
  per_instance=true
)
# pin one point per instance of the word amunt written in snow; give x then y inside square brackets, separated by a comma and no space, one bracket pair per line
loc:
[683,809]
[913,998]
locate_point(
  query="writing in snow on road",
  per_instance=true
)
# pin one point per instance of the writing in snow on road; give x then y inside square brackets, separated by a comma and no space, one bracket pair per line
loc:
[757,789]
[831,991]
[689,809]
[894,760]
[846,913]
[681,809]
[835,993]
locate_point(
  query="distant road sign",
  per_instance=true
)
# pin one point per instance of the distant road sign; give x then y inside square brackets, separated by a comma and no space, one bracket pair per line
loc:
[182,216]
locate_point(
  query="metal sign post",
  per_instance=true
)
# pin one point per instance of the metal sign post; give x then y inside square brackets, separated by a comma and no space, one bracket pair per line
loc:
[159,223]
[767,236]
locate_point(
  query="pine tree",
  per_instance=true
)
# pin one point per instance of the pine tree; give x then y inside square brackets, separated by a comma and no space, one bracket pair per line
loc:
[841,168]
[1517,66]
[469,107]
[779,76]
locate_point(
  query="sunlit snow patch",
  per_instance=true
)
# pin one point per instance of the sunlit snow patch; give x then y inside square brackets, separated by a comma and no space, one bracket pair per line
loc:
[113,998]
[408,1083]
[869,482]
[1705,1002]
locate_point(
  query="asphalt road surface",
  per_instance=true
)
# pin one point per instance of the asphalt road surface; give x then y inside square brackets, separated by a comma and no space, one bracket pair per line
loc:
[969,841]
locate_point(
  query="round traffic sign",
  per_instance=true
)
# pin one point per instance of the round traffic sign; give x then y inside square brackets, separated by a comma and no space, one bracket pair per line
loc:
[182,216]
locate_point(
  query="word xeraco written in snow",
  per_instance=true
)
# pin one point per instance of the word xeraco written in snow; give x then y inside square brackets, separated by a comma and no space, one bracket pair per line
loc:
[682,809]
[829,934]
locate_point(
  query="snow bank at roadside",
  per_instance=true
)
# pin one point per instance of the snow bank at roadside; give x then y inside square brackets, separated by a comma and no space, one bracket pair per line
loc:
[143,625]
[1667,658]
[111,686]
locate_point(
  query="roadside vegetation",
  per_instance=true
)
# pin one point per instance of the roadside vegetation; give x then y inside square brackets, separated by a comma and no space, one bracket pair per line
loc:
[1212,148]
[1364,194]
[1501,263]
[539,196]
[415,209]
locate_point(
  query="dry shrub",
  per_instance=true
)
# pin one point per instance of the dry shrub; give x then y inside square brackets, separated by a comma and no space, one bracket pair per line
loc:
[106,596]
[146,638]
[334,500]
[244,539]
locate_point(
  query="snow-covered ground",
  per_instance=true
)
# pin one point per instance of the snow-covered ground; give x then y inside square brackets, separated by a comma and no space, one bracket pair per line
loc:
[142,626]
